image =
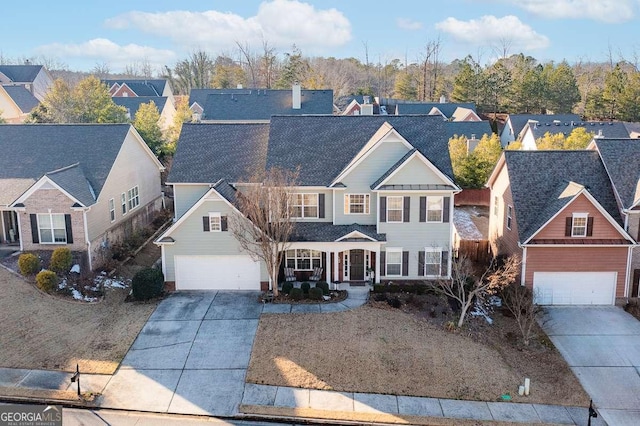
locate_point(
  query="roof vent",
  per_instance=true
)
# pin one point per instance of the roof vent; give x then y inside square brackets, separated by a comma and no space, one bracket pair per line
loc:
[239,86]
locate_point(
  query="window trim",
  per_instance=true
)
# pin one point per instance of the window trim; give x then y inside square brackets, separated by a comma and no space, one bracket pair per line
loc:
[131,198]
[387,263]
[302,205]
[441,220]
[509,216]
[123,203]
[401,209]
[52,229]
[112,209]
[298,258]
[366,204]
[575,216]
[215,215]
[428,250]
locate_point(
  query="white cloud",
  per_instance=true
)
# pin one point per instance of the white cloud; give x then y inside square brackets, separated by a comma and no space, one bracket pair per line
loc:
[101,49]
[279,22]
[408,24]
[490,30]
[599,10]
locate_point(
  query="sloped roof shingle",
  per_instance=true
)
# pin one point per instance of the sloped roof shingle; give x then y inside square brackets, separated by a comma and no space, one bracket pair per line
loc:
[621,158]
[133,103]
[22,97]
[518,121]
[468,128]
[21,73]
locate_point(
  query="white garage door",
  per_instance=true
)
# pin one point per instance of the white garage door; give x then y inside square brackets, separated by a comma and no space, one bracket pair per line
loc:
[574,288]
[217,273]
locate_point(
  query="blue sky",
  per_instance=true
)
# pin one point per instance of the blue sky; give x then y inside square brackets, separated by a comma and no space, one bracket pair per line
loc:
[120,33]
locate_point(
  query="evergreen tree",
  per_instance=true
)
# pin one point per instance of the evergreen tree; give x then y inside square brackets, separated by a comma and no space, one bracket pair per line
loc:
[467,84]
[614,85]
[405,87]
[562,89]
[630,99]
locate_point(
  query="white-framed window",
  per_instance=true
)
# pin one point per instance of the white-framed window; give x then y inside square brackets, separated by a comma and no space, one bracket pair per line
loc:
[356,203]
[579,224]
[215,222]
[303,259]
[434,209]
[495,205]
[432,261]
[394,209]
[133,198]
[52,228]
[304,206]
[509,216]
[123,202]
[393,261]
[112,210]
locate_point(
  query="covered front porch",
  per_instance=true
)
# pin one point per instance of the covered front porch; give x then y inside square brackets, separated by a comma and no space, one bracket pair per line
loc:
[9,228]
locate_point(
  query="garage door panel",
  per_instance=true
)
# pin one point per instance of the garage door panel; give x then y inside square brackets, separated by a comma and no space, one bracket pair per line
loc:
[217,273]
[574,288]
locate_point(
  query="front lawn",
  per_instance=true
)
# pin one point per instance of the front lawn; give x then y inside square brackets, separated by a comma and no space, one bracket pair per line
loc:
[379,349]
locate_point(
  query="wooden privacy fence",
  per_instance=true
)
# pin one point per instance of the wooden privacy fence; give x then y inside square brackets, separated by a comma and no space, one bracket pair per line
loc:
[475,250]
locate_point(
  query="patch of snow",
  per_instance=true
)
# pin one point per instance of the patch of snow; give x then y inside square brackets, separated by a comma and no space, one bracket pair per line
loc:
[326,297]
[75,268]
[110,282]
[62,284]
[78,296]
[465,226]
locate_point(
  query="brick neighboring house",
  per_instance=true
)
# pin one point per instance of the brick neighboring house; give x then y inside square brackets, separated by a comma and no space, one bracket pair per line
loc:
[82,186]
[557,209]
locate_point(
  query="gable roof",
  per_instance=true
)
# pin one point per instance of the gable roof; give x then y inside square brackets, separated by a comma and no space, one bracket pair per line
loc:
[518,121]
[538,196]
[608,129]
[446,108]
[73,180]
[133,103]
[34,150]
[621,158]
[262,104]
[21,73]
[468,128]
[141,86]
[323,145]
[327,231]
[23,98]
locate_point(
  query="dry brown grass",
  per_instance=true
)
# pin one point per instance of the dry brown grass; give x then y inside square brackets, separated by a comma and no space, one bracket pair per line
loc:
[390,351]
[40,331]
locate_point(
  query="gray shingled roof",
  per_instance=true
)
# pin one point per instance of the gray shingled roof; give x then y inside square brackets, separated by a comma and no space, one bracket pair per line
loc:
[468,128]
[29,151]
[141,87]
[609,129]
[226,190]
[207,152]
[326,231]
[518,121]
[447,108]
[133,103]
[73,180]
[22,97]
[21,73]
[262,104]
[621,157]
[536,192]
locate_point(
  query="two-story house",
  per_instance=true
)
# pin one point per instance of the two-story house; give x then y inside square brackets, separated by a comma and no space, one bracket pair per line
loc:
[373,200]
[515,124]
[558,210]
[81,186]
[22,88]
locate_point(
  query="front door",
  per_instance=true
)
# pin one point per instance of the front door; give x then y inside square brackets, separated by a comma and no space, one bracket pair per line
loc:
[356,265]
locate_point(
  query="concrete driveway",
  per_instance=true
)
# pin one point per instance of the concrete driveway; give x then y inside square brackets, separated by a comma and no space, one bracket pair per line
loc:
[192,340]
[602,347]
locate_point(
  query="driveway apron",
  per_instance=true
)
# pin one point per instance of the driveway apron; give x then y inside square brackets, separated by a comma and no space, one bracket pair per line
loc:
[602,346]
[192,340]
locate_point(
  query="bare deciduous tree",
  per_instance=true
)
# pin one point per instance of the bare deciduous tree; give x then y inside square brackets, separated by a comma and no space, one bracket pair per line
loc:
[465,287]
[519,300]
[264,226]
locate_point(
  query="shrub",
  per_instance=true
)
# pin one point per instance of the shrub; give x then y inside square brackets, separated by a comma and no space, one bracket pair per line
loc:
[305,286]
[296,294]
[286,287]
[147,283]
[324,286]
[394,302]
[46,280]
[315,293]
[28,264]
[61,260]
[379,288]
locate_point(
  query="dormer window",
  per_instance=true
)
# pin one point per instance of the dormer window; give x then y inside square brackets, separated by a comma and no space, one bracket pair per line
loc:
[579,224]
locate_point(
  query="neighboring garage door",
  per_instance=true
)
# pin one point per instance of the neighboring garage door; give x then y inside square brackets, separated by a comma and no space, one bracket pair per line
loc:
[574,288]
[217,273]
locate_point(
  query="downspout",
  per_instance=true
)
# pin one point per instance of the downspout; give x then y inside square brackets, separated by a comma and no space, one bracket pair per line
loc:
[628,272]
[86,237]
[20,232]
[524,265]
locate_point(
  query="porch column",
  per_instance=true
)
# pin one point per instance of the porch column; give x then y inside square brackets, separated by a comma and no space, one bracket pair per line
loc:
[335,266]
[377,280]
[327,266]
[4,231]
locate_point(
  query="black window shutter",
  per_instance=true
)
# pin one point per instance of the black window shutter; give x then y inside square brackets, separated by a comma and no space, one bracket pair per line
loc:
[589,226]
[67,224]
[567,226]
[383,209]
[444,265]
[423,209]
[205,224]
[383,263]
[321,206]
[35,238]
[405,263]
[223,224]
[406,209]
[446,201]
[421,254]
